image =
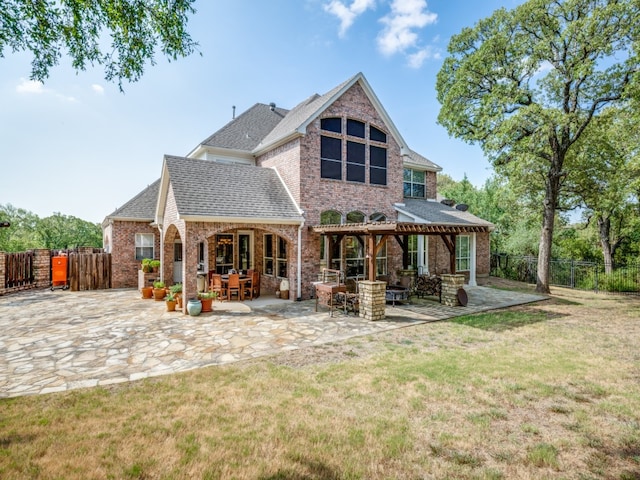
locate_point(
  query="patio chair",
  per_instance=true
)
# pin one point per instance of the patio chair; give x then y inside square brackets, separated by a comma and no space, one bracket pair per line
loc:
[216,285]
[252,287]
[233,287]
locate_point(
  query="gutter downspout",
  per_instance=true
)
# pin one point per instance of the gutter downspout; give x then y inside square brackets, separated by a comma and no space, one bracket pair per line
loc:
[299,279]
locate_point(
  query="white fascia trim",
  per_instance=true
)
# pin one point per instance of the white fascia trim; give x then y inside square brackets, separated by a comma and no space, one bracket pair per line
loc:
[261,221]
[127,219]
[163,192]
[293,200]
[260,149]
[406,162]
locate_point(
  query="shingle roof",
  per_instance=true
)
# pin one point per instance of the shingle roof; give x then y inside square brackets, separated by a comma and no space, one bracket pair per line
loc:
[418,159]
[436,212]
[211,189]
[141,207]
[247,130]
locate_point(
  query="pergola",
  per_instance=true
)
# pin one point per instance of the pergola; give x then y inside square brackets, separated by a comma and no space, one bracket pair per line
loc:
[377,234]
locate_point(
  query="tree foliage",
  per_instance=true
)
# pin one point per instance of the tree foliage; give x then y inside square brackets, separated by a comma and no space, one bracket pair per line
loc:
[526,83]
[28,231]
[120,35]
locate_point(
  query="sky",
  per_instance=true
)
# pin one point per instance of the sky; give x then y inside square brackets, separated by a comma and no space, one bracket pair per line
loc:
[77,146]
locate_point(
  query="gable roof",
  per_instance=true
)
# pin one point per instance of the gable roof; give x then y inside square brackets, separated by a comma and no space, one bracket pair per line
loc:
[298,118]
[211,191]
[428,211]
[140,208]
[417,160]
[248,129]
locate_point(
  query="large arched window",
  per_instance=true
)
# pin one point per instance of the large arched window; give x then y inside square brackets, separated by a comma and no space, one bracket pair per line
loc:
[355,217]
[330,217]
[378,217]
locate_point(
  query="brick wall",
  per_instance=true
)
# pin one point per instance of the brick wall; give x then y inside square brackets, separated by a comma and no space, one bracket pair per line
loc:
[123,251]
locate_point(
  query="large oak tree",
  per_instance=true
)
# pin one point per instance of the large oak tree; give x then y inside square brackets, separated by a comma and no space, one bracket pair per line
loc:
[525,84]
[120,35]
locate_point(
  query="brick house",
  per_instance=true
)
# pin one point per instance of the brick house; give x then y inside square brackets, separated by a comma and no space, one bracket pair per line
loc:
[288,192]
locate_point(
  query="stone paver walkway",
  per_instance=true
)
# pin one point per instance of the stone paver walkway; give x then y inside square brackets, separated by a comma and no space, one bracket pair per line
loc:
[62,340]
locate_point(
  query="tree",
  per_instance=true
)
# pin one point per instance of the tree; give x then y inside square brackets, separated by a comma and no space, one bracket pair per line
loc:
[47,28]
[20,236]
[526,83]
[64,231]
[607,178]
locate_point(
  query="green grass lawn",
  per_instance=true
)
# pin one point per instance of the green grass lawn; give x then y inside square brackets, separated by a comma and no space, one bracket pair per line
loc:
[550,390]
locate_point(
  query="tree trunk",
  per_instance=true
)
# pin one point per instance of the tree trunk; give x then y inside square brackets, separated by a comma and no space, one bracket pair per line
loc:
[552,192]
[604,230]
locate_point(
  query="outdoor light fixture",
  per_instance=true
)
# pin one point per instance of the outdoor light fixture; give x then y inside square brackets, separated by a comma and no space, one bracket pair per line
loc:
[4,224]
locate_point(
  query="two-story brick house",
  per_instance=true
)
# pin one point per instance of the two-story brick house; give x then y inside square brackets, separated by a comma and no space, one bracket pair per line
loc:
[288,192]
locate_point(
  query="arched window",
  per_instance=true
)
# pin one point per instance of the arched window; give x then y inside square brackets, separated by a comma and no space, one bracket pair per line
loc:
[355,217]
[378,217]
[330,217]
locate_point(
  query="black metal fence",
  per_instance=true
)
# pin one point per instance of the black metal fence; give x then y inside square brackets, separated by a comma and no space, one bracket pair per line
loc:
[570,273]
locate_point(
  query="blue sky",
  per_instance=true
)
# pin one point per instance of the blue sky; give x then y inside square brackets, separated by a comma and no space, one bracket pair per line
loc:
[78,146]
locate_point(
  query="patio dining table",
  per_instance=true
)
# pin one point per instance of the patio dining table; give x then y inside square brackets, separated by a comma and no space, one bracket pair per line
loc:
[243,283]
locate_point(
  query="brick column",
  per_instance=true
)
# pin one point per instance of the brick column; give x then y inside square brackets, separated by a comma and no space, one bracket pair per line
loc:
[450,286]
[42,268]
[372,299]
[2,272]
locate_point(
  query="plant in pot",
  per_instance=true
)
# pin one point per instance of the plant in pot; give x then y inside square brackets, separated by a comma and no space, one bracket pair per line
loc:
[159,291]
[155,265]
[146,265]
[207,299]
[176,291]
[171,302]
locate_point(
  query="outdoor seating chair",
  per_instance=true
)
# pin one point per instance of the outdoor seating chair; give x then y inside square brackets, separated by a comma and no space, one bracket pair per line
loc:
[252,287]
[233,286]
[216,285]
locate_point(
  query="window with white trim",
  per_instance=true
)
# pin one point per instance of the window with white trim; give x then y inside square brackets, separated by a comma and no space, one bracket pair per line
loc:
[415,183]
[463,253]
[144,245]
[274,258]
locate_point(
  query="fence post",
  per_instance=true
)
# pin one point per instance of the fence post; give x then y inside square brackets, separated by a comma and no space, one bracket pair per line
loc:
[3,276]
[42,268]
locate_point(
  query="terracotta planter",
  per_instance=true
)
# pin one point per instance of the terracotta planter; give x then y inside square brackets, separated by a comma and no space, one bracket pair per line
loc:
[159,294]
[171,306]
[207,304]
[178,300]
[147,292]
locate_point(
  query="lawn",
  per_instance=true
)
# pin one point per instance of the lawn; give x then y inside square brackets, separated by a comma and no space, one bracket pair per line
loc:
[548,390]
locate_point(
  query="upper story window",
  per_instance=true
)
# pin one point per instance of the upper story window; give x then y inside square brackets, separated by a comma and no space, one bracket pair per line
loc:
[415,183]
[333,124]
[355,217]
[378,217]
[355,128]
[349,158]
[331,158]
[377,135]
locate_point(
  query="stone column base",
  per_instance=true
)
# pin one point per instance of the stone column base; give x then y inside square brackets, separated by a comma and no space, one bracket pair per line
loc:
[372,300]
[450,286]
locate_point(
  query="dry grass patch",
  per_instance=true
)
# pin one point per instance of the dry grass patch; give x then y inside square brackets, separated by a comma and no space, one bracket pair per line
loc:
[549,390]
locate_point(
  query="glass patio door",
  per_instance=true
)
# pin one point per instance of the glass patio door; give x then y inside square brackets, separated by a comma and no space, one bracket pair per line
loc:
[245,250]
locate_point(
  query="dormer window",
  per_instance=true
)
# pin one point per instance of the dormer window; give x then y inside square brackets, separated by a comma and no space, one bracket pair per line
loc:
[415,183]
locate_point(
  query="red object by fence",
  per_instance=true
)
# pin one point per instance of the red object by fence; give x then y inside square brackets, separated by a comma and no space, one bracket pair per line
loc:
[59,272]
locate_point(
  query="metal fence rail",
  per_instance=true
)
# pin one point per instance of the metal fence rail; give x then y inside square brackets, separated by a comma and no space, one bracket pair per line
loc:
[570,273]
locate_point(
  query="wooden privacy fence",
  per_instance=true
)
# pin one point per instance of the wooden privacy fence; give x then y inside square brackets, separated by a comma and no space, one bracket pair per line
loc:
[89,271]
[19,269]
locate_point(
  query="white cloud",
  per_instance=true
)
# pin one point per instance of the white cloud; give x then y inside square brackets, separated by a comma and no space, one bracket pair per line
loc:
[399,33]
[415,60]
[347,14]
[99,89]
[30,86]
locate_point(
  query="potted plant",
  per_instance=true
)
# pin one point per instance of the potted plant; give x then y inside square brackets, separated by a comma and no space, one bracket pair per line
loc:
[159,291]
[146,265]
[176,291]
[207,299]
[155,265]
[171,302]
